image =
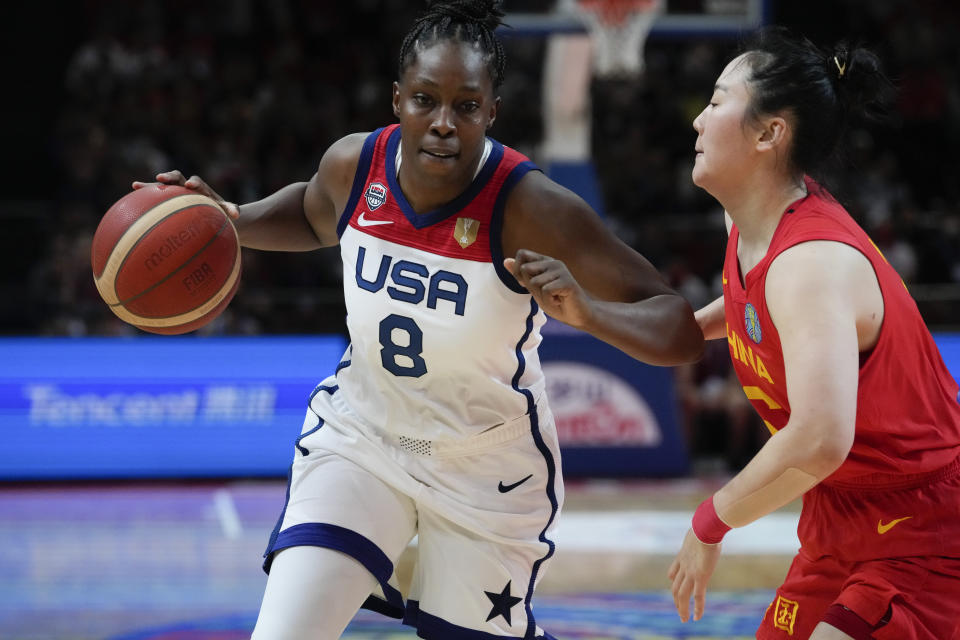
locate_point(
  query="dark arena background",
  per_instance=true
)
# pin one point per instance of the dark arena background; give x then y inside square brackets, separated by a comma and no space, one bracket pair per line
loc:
[140,476]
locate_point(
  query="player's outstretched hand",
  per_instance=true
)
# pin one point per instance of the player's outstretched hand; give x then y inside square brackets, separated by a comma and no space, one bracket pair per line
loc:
[552,286]
[690,572]
[198,185]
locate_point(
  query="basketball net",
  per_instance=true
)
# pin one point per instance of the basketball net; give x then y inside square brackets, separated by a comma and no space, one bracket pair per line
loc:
[618,30]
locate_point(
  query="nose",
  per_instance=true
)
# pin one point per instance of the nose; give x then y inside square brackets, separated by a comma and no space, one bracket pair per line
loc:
[443,123]
[698,122]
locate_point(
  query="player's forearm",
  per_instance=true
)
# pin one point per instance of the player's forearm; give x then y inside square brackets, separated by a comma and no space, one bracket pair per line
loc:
[712,320]
[660,330]
[278,223]
[789,465]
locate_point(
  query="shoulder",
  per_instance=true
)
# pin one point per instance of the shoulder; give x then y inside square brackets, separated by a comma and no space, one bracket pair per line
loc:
[329,189]
[345,151]
[827,262]
[338,165]
[544,216]
[815,277]
[538,197]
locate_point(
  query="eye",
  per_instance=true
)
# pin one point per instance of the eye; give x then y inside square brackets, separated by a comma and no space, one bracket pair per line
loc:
[470,106]
[422,100]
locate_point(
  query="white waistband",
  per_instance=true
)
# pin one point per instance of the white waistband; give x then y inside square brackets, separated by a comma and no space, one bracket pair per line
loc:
[491,438]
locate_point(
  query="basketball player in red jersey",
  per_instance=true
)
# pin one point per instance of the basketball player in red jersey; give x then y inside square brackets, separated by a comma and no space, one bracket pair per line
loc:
[832,352]
[453,247]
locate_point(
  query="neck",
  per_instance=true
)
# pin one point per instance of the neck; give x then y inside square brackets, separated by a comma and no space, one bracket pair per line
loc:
[757,206]
[426,193]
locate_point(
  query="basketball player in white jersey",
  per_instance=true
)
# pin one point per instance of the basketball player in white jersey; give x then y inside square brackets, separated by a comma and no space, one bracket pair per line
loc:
[435,422]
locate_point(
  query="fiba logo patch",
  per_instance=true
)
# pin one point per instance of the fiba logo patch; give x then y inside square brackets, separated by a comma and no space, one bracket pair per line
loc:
[376,195]
[752,322]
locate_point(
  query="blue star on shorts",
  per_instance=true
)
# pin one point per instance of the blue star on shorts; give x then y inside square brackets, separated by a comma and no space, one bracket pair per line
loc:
[502,603]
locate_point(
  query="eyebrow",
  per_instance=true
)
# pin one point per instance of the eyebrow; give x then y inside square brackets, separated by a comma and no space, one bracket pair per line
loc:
[719,87]
[470,88]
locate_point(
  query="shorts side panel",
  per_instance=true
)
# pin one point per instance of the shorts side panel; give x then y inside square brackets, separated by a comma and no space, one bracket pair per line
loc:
[902,598]
[486,528]
[336,503]
[906,598]
[807,592]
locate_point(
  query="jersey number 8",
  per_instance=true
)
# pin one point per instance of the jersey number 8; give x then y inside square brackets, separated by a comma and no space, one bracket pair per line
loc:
[398,359]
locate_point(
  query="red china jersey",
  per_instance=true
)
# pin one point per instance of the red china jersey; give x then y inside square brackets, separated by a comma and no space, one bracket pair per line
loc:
[908,408]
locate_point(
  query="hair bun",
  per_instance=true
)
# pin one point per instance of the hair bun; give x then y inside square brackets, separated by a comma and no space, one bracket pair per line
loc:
[861,84]
[486,12]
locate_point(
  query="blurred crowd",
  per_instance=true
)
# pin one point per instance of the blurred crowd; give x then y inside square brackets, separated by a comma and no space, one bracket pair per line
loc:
[248,93]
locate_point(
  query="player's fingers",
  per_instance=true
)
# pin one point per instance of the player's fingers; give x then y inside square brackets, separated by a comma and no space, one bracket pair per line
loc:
[514,268]
[683,599]
[545,279]
[532,269]
[510,264]
[195,182]
[699,599]
[171,177]
[525,255]
[675,590]
[672,571]
[557,285]
[233,211]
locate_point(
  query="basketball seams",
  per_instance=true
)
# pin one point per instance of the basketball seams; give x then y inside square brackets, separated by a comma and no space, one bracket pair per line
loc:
[110,238]
[156,284]
[186,317]
[106,282]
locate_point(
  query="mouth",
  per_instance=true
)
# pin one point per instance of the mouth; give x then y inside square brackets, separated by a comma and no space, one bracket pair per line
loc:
[441,154]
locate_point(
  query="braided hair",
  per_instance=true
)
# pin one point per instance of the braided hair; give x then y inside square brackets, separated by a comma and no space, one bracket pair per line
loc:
[470,21]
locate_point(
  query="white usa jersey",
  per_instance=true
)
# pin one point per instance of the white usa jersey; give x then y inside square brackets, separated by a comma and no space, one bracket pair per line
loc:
[443,340]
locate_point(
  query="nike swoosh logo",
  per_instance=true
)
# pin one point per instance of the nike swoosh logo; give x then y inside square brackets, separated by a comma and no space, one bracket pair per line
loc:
[510,487]
[883,528]
[363,222]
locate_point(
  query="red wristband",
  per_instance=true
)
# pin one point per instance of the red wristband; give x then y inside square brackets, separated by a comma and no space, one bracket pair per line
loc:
[707,525]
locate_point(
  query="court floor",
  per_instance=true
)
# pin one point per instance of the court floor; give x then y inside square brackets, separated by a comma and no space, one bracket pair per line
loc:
[165,561]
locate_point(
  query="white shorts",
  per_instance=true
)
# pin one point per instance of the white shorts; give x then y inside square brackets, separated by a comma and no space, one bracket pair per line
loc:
[484,511]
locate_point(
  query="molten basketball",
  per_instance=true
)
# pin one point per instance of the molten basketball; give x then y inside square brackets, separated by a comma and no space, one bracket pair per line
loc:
[166,259]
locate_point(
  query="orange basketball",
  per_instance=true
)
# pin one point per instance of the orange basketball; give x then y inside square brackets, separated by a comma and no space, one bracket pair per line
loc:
[166,259]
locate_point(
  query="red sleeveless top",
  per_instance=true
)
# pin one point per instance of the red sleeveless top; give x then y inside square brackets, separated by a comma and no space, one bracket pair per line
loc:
[908,406]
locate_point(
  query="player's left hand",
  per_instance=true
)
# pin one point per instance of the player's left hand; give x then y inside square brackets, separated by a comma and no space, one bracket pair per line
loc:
[690,572]
[552,285]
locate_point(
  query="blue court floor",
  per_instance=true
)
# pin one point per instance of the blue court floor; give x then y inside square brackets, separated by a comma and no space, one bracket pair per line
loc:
[182,562]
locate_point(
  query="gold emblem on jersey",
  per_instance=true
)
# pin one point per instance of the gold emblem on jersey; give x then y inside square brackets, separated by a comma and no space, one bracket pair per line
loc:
[466,231]
[883,528]
[785,614]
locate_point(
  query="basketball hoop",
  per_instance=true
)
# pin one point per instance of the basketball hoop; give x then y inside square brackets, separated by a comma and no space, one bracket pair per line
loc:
[618,30]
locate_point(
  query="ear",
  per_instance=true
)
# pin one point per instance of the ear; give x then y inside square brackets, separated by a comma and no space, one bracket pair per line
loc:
[396,99]
[494,108]
[773,134]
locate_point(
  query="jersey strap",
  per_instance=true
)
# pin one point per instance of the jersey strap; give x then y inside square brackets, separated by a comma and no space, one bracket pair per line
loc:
[359,179]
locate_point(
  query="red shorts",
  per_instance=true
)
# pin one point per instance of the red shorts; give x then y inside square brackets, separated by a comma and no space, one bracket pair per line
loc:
[890,555]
